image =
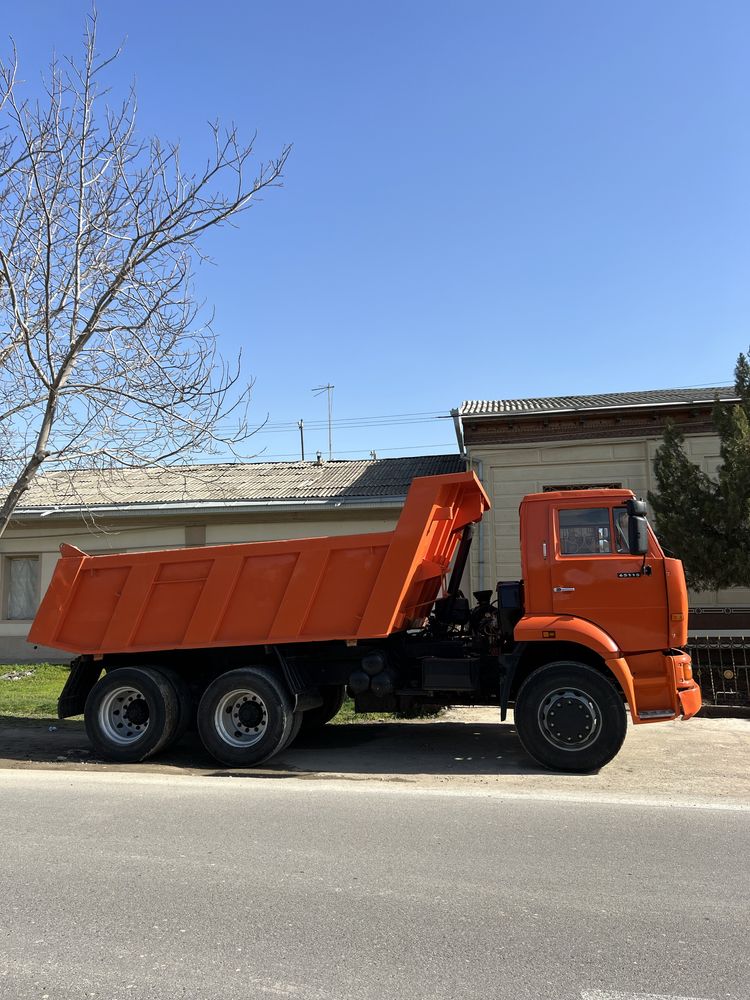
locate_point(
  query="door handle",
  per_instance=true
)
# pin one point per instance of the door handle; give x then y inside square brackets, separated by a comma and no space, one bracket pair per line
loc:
[563,590]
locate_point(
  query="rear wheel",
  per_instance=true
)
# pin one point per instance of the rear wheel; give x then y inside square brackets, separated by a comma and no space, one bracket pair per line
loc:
[185,703]
[333,698]
[244,717]
[570,717]
[297,722]
[131,714]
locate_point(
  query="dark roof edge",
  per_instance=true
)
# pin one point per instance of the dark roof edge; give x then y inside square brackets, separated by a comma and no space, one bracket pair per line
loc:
[521,414]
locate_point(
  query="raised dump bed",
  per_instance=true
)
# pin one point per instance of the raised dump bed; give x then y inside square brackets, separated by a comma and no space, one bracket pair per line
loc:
[312,589]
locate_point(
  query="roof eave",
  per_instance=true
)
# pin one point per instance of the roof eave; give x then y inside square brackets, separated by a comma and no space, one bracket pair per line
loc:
[521,414]
[207,509]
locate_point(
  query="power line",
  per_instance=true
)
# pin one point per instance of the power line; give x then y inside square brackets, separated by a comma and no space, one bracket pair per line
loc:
[317,425]
[345,423]
[365,452]
[389,419]
[713,384]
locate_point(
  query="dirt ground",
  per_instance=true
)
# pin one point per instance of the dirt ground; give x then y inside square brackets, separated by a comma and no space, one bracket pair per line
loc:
[703,761]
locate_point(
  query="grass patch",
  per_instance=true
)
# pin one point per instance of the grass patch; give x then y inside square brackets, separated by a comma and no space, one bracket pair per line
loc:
[348,715]
[36,697]
[32,697]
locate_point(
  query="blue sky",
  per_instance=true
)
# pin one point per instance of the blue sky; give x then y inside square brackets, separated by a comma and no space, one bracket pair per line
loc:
[484,199]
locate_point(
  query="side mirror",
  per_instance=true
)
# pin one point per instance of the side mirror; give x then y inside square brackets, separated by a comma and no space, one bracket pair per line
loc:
[636,508]
[637,527]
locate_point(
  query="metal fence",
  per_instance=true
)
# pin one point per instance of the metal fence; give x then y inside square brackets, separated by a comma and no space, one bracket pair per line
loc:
[721,665]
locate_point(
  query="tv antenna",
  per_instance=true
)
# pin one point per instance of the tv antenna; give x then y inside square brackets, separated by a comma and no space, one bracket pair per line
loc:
[318,390]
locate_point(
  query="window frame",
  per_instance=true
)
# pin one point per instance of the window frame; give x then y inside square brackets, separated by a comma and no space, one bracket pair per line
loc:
[626,551]
[7,558]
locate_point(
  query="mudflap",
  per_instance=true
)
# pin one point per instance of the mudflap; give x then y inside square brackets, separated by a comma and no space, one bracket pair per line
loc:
[508,663]
[304,694]
[83,675]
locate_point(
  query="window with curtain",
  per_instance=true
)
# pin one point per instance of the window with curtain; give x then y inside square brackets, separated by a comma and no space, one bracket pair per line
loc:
[21,587]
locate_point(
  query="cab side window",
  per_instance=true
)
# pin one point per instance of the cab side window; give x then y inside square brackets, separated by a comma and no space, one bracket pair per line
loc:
[585,532]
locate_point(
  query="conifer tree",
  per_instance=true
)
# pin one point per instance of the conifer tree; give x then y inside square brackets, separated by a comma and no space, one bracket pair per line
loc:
[705,521]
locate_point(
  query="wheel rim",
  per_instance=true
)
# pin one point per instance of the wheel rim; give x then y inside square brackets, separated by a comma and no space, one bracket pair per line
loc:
[570,719]
[124,715]
[241,718]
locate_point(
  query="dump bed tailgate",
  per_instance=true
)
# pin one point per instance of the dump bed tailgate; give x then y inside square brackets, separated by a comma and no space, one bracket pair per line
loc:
[312,589]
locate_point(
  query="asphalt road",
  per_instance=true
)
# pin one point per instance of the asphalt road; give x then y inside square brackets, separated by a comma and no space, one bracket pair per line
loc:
[703,761]
[133,885]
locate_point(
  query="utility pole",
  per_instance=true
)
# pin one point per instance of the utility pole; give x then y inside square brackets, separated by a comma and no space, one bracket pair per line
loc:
[301,425]
[329,389]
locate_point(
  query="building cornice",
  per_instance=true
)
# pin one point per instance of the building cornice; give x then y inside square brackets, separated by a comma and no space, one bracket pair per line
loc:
[599,423]
[205,509]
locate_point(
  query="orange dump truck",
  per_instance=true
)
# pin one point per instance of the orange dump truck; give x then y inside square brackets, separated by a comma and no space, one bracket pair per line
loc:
[251,642]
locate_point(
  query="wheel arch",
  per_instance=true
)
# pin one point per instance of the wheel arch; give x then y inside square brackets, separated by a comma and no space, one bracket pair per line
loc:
[537,654]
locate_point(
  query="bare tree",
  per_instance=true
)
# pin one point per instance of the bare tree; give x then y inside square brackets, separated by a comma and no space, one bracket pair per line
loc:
[104,361]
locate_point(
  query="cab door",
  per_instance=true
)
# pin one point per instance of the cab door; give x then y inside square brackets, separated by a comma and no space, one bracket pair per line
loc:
[595,577]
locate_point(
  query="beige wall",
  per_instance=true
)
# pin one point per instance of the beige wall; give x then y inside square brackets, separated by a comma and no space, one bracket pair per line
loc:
[511,471]
[44,537]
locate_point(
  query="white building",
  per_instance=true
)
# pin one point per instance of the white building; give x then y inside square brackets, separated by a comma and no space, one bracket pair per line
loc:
[520,446]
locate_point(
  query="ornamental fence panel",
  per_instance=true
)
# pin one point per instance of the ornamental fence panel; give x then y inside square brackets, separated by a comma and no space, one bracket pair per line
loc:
[721,665]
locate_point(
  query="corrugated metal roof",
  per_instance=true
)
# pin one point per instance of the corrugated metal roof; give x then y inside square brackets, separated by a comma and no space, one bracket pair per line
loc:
[611,400]
[275,482]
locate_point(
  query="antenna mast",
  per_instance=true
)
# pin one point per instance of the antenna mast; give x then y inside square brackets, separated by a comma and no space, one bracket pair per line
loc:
[329,389]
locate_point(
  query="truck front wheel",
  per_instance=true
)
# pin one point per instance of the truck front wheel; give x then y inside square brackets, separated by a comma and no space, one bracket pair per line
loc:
[570,717]
[244,717]
[130,714]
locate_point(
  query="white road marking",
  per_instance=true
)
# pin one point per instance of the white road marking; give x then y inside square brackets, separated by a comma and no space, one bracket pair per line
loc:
[609,995]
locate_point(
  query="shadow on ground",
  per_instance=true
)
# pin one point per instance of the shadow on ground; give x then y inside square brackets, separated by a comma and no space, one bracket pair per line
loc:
[360,749]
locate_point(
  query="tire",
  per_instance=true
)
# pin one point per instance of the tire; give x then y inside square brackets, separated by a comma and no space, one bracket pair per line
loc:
[334,696]
[294,732]
[570,717]
[130,714]
[245,717]
[185,703]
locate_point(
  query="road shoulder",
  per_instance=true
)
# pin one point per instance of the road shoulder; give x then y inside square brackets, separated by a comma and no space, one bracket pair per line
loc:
[701,762]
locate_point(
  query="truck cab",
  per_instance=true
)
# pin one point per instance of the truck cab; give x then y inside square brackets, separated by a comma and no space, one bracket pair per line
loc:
[598,592]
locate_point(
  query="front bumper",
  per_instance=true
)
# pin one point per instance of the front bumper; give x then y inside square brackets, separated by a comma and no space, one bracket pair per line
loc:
[688,692]
[690,699]
[663,686]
